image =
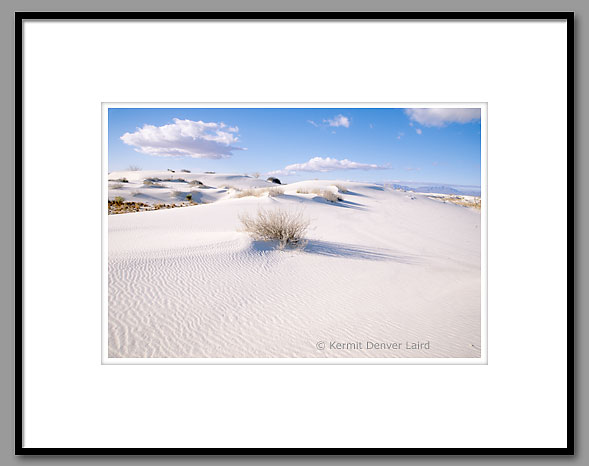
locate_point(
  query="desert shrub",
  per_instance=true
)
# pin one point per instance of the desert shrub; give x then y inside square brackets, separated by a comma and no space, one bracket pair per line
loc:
[189,197]
[115,186]
[271,179]
[177,180]
[330,196]
[341,188]
[170,170]
[273,192]
[286,227]
[249,192]
[119,200]
[324,193]
[184,170]
[133,168]
[152,183]
[210,173]
[302,191]
[120,180]
[196,183]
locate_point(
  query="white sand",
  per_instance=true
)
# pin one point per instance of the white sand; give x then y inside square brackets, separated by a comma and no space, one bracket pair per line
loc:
[382,266]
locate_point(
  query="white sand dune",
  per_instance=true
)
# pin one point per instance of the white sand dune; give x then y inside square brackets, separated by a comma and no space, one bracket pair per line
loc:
[381,266]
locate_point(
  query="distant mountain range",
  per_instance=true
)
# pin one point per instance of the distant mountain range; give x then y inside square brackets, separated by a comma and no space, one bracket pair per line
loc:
[466,191]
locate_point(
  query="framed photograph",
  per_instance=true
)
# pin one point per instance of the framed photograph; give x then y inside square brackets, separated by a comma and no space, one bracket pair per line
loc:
[237,199]
[281,259]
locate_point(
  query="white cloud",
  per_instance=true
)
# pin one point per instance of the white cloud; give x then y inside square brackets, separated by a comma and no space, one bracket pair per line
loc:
[316,125]
[185,138]
[327,164]
[443,116]
[338,120]
[418,130]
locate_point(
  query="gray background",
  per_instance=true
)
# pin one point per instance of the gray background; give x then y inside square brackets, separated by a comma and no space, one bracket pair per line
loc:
[9,193]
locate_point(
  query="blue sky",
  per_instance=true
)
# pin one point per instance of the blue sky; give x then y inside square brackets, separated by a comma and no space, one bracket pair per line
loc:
[360,144]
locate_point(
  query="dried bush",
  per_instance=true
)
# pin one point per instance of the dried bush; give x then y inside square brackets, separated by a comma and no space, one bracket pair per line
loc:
[115,186]
[119,200]
[273,192]
[249,192]
[330,196]
[152,183]
[184,170]
[341,188]
[288,228]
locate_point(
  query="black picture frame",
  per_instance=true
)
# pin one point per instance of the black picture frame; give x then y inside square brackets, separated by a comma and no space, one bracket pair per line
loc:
[20,17]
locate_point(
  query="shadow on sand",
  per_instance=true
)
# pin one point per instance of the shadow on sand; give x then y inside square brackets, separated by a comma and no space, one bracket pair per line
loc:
[352,251]
[341,250]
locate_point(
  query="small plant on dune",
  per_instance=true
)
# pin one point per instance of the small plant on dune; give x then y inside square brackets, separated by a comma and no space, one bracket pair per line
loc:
[133,168]
[325,194]
[120,180]
[302,191]
[189,197]
[286,227]
[115,186]
[119,200]
[341,188]
[177,180]
[273,192]
[330,196]
[184,170]
[170,170]
[249,192]
[197,184]
[152,183]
